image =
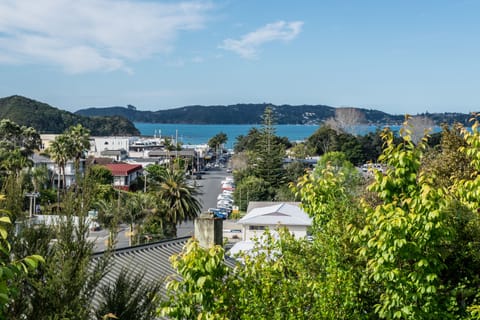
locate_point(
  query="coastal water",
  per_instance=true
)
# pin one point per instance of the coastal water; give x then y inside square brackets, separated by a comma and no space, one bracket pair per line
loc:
[201,133]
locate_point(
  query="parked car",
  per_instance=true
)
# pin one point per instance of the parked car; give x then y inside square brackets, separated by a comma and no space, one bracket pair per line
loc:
[219,213]
[227,196]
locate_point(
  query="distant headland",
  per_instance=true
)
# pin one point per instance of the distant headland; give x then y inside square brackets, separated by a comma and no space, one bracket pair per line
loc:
[252,114]
[120,120]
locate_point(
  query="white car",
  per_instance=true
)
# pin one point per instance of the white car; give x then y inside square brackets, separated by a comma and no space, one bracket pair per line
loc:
[227,201]
[224,203]
[225,196]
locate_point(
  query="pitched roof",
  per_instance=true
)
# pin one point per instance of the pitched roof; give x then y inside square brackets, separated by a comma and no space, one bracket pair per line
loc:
[260,204]
[123,169]
[281,213]
[166,153]
[153,260]
[113,152]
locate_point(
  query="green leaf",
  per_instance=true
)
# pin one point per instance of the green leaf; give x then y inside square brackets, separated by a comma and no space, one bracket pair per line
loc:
[5,220]
[201,281]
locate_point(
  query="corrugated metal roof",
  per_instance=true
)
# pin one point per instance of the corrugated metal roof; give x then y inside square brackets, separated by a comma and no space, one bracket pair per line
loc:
[152,259]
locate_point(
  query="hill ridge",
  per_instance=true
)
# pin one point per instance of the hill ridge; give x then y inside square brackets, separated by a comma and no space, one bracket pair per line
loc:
[47,119]
[251,113]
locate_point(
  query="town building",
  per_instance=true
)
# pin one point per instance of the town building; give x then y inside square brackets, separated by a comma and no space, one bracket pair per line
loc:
[124,174]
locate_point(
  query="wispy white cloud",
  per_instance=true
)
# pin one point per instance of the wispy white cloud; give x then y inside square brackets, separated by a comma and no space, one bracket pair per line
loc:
[93,35]
[248,45]
[197,59]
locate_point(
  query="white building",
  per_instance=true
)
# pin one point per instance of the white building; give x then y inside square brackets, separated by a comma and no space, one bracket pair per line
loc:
[273,216]
[101,144]
[54,170]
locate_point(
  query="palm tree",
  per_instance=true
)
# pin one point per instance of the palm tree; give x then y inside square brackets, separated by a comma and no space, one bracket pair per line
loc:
[179,196]
[108,217]
[13,164]
[136,208]
[69,145]
[39,177]
[79,142]
[128,297]
[60,153]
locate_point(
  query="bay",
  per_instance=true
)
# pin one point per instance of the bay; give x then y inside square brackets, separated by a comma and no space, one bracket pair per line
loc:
[193,134]
[201,133]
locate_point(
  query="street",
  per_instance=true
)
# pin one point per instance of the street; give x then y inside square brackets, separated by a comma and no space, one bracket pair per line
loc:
[209,187]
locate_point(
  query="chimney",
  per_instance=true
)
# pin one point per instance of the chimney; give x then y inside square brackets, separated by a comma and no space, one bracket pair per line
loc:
[209,230]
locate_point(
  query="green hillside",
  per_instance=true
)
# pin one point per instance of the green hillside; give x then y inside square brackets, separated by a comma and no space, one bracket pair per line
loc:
[252,113]
[47,119]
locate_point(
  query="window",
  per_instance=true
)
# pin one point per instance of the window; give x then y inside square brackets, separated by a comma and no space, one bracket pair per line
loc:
[256,227]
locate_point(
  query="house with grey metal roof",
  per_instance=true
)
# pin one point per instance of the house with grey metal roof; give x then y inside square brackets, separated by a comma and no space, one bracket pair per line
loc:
[271,217]
[152,260]
[117,155]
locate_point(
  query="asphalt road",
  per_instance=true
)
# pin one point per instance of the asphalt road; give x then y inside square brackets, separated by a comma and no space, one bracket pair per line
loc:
[209,187]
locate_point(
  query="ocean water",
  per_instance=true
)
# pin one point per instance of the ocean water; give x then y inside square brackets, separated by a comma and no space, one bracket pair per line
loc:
[201,133]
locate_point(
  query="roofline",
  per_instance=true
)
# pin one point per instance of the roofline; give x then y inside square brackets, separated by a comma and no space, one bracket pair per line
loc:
[276,224]
[140,246]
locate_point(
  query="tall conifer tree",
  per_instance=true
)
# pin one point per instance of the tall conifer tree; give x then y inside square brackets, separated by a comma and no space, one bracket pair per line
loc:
[268,157]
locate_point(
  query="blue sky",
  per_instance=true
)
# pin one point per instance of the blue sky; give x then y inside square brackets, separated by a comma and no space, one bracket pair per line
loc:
[395,56]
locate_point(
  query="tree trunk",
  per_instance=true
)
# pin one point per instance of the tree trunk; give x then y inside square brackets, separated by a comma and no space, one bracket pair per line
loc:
[58,187]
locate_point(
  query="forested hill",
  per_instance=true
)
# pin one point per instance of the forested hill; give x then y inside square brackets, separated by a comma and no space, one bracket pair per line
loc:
[47,119]
[252,113]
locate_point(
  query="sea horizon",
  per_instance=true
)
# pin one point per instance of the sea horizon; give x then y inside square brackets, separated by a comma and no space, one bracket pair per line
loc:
[200,133]
[194,134]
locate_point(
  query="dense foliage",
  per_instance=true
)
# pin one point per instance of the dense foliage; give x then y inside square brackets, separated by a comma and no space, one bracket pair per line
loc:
[128,298]
[47,119]
[11,266]
[260,173]
[404,247]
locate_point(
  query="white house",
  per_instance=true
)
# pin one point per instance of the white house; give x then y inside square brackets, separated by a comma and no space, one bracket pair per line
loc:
[272,216]
[39,160]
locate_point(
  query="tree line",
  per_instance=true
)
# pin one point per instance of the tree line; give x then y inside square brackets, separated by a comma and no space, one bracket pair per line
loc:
[45,270]
[251,113]
[47,119]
